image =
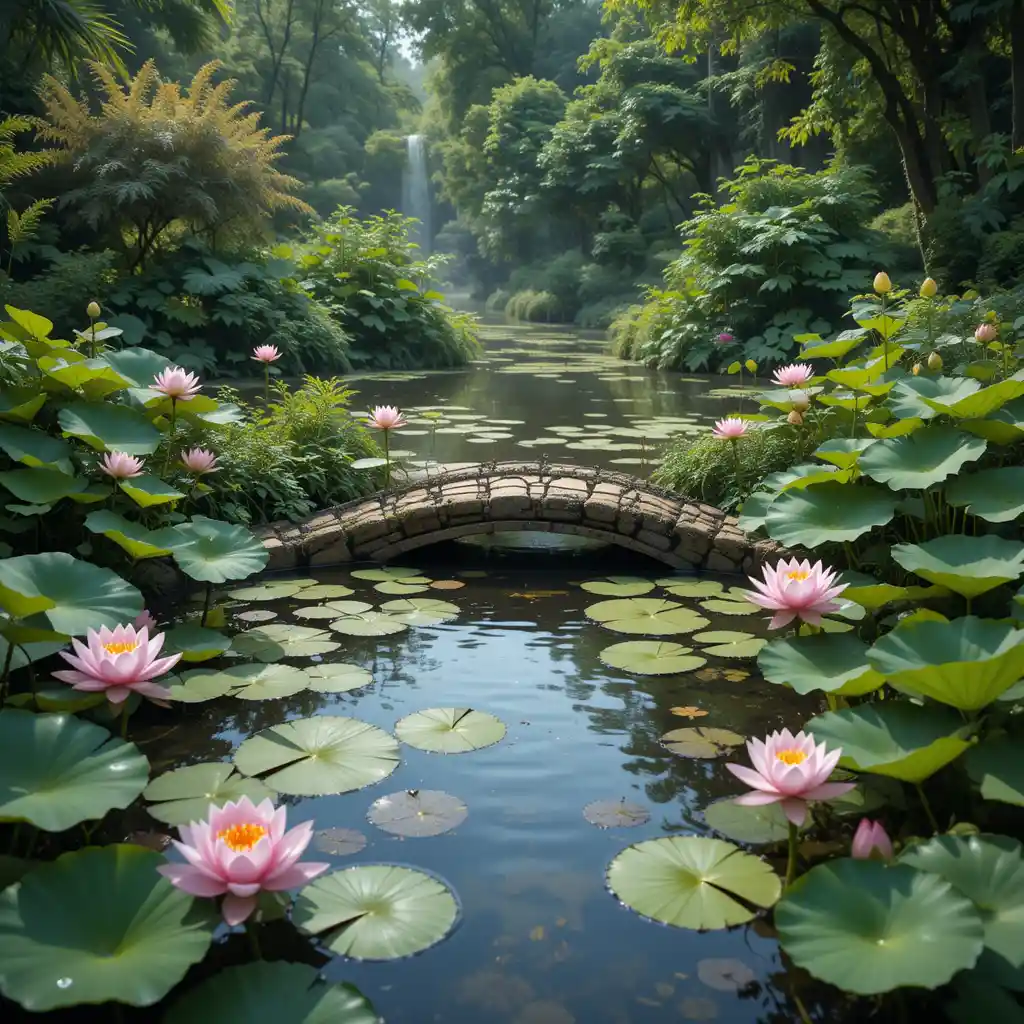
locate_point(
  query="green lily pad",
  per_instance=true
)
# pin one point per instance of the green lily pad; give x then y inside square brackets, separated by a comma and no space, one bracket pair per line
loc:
[271,991]
[326,592]
[332,609]
[394,587]
[339,842]
[386,574]
[41,486]
[618,586]
[421,611]
[843,452]
[418,812]
[967,663]
[864,925]
[651,657]
[766,823]
[368,624]
[749,647]
[278,640]
[110,428]
[724,606]
[646,615]
[922,459]
[996,495]
[215,552]
[147,491]
[616,814]
[450,730]
[871,593]
[909,399]
[692,882]
[98,925]
[133,537]
[56,771]
[969,566]
[35,448]
[275,590]
[184,795]
[319,756]
[266,682]
[199,685]
[978,404]
[697,588]
[832,662]
[700,742]
[895,738]
[828,513]
[337,677]
[997,765]
[196,643]
[376,911]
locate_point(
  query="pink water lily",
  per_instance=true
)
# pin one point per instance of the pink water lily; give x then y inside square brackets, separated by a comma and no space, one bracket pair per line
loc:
[177,383]
[795,589]
[796,375]
[386,417]
[871,841]
[240,850]
[789,770]
[266,354]
[118,662]
[986,333]
[121,465]
[199,461]
[145,620]
[730,428]
[725,338]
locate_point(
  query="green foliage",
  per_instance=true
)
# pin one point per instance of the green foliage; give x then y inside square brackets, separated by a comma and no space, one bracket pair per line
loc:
[536,307]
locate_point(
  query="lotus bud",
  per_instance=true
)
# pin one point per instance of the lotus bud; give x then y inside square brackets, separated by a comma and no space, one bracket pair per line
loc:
[882,283]
[986,333]
[915,369]
[929,288]
[93,310]
[794,418]
[871,842]
[799,401]
[725,338]
[935,361]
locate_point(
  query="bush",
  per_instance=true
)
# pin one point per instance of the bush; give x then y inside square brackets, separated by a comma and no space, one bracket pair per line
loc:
[535,307]
[899,227]
[497,301]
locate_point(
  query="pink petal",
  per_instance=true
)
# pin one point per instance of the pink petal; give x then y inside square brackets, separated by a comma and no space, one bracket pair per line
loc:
[151,690]
[118,694]
[191,880]
[751,778]
[782,618]
[829,790]
[235,909]
[755,799]
[293,877]
[795,810]
[244,890]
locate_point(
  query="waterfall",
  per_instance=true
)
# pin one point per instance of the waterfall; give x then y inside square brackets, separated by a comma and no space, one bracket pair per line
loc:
[416,190]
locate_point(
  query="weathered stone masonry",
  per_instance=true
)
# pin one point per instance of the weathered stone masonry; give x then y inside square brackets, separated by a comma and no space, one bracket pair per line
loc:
[504,496]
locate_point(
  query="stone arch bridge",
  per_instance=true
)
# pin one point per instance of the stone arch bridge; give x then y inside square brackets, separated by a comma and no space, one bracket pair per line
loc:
[509,496]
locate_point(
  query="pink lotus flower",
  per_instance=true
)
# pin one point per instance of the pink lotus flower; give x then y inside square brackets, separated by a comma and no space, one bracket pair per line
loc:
[199,461]
[145,621]
[796,375]
[266,354]
[177,383]
[241,849]
[871,841]
[795,589]
[789,770]
[386,417]
[725,337]
[986,333]
[121,465]
[730,428]
[118,662]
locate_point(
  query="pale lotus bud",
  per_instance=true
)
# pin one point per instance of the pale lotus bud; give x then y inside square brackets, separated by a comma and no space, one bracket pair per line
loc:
[725,338]
[794,418]
[882,283]
[871,842]
[928,288]
[92,311]
[935,361]
[800,401]
[915,369]
[986,333]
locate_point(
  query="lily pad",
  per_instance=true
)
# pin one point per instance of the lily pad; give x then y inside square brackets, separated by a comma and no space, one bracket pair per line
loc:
[184,795]
[393,587]
[212,551]
[871,593]
[696,588]
[332,609]
[279,640]
[730,643]
[725,606]
[692,882]
[319,756]
[646,615]
[618,586]
[700,742]
[922,459]
[895,738]
[389,573]
[337,677]
[325,592]
[843,452]
[996,495]
[199,685]
[450,730]
[828,513]
[765,823]
[997,765]
[418,812]
[863,925]
[725,974]
[275,590]
[98,925]
[832,662]
[376,912]
[421,611]
[967,565]
[266,682]
[271,991]
[132,537]
[339,842]
[57,771]
[195,643]
[616,814]
[651,657]
[368,624]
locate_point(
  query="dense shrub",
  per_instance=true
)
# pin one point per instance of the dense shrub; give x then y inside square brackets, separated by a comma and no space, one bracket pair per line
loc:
[899,226]
[497,301]
[536,307]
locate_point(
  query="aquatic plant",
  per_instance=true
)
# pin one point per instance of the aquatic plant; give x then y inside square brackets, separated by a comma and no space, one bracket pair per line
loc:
[871,840]
[266,354]
[796,589]
[386,418]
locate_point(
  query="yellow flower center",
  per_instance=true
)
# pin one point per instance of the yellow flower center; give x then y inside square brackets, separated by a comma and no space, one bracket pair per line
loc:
[791,756]
[797,574]
[122,647]
[242,838]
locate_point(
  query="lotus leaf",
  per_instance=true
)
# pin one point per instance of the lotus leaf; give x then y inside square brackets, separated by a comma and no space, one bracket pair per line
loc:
[200,685]
[326,592]
[726,606]
[184,795]
[901,740]
[651,657]
[1004,426]
[196,643]
[422,611]
[844,452]
[133,537]
[969,566]
[897,428]
[108,427]
[616,814]
[21,404]
[217,552]
[978,404]
[418,812]
[763,824]
[646,615]
[376,911]
[96,926]
[870,593]
[318,756]
[747,648]
[46,486]
[35,448]
[136,365]
[450,730]
[997,765]
[368,624]
[835,663]
[977,998]
[147,491]
[274,590]
[395,587]
[618,586]
[699,742]
[922,459]
[337,677]
[993,494]
[692,588]
[863,925]
[279,640]
[332,610]
[339,842]
[391,572]
[265,682]
[692,882]
[910,397]
[828,513]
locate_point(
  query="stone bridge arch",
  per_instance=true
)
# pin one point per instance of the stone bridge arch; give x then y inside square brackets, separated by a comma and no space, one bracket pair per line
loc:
[507,496]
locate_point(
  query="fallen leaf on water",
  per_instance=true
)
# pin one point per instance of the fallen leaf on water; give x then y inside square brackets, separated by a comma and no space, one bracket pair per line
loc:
[536,934]
[447,584]
[708,675]
[688,712]
[725,975]
[735,675]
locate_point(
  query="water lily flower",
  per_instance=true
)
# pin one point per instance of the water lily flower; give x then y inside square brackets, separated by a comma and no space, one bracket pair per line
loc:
[986,333]
[177,384]
[871,841]
[266,354]
[121,465]
[882,284]
[145,620]
[795,375]
[790,770]
[386,417]
[725,338]
[928,288]
[795,589]
[729,429]
[199,461]
[240,850]
[934,361]
[92,311]
[118,662]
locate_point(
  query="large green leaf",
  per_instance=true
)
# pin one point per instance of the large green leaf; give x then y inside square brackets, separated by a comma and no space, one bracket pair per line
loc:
[652,657]
[833,662]
[56,771]
[910,398]
[184,795]
[91,377]
[993,494]
[619,586]
[871,593]
[646,615]
[279,640]
[997,765]
[868,927]
[977,404]
[20,405]
[828,513]
[277,991]
[148,490]
[692,882]
[35,448]
[195,642]
[109,427]
[137,365]
[844,452]
[967,663]
[133,537]
[317,756]
[96,926]
[967,565]
[420,611]
[922,459]
[215,552]
[41,486]
[904,741]
[765,823]
[1004,426]
[376,911]
[450,730]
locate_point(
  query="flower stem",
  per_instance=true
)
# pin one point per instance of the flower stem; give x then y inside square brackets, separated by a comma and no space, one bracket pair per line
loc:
[791,859]
[266,381]
[170,436]
[6,673]
[927,809]
[124,719]
[736,464]
[387,461]
[254,940]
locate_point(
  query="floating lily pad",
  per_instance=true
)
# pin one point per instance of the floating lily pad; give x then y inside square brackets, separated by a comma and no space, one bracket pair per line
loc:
[325,592]
[724,606]
[765,823]
[266,682]
[337,677]
[213,551]
[200,685]
[400,587]
[967,565]
[651,657]
[184,795]
[700,742]
[332,609]
[339,842]
[618,586]
[280,640]
[725,974]
[698,588]
[319,756]
[421,611]
[616,814]
[274,591]
[835,663]
[368,624]
[418,812]
[389,573]
[997,765]
[256,615]
[450,730]
[376,912]
[196,643]
[646,615]
[692,882]
[447,585]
